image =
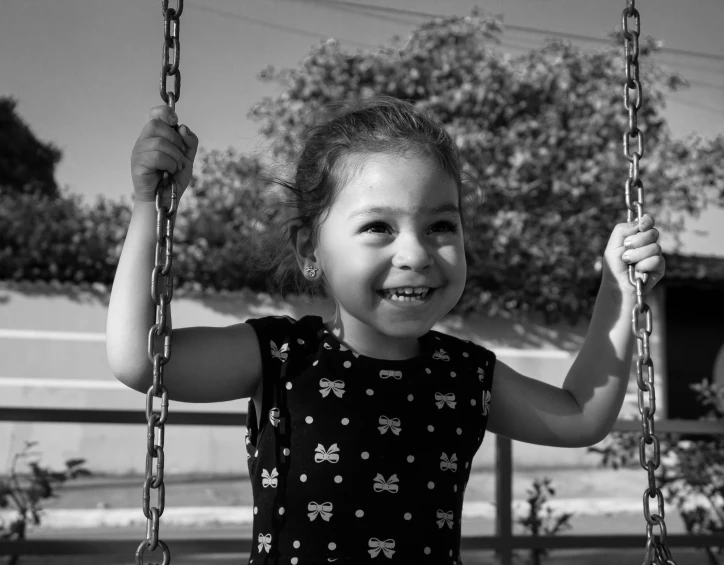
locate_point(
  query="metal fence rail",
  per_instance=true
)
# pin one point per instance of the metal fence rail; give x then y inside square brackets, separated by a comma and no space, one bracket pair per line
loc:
[504,542]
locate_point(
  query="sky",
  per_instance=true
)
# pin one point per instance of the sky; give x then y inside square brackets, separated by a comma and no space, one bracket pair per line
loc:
[85,72]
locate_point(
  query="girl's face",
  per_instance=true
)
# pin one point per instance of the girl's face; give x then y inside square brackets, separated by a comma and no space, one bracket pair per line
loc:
[393,228]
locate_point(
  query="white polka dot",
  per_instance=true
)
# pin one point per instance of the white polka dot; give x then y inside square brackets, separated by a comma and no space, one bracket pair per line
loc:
[459,431]
[300,341]
[450,553]
[466,464]
[427,551]
[345,421]
[359,513]
[455,488]
[256,453]
[472,401]
[332,546]
[410,458]
[315,363]
[465,354]
[365,455]
[370,392]
[309,419]
[410,397]
[453,374]
[347,364]
[428,371]
[431,485]
[430,428]
[295,561]
[408,516]
[338,479]
[303,478]
[296,544]
[286,451]
[289,386]
[281,510]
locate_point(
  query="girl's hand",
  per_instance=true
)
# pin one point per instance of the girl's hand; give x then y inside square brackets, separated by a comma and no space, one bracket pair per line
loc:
[161,148]
[633,245]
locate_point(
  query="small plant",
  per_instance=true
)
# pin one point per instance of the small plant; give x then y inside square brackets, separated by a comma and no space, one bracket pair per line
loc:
[540,519]
[25,492]
[691,474]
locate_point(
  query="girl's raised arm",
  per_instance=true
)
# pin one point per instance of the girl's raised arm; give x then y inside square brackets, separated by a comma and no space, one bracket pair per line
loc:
[207,364]
[583,411]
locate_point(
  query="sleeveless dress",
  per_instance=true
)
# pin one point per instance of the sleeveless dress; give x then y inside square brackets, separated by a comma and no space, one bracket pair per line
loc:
[361,460]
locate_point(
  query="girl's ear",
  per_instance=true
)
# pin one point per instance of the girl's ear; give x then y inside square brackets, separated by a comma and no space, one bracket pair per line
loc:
[304,250]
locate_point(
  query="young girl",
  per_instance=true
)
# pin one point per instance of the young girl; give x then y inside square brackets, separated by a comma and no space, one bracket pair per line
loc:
[362,427]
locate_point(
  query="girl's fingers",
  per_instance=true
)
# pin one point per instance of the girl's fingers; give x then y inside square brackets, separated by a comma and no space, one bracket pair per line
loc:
[190,141]
[641,239]
[639,255]
[163,113]
[162,154]
[159,128]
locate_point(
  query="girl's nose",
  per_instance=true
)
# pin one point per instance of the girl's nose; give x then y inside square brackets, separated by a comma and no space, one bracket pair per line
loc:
[411,253]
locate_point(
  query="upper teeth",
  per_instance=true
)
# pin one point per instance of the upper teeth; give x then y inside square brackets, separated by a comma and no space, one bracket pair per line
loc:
[408,290]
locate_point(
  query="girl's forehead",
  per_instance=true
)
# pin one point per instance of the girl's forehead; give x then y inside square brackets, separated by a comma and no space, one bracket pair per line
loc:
[396,182]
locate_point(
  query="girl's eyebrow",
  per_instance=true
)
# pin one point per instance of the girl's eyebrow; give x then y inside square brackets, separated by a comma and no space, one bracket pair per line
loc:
[390,211]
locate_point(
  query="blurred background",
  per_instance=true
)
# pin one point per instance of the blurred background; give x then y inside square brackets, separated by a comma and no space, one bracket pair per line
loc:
[532,91]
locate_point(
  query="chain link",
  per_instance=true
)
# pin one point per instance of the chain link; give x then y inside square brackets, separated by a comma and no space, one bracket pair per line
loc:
[161,294]
[657,550]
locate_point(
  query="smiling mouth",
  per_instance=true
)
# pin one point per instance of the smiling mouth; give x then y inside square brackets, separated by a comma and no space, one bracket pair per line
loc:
[406,294]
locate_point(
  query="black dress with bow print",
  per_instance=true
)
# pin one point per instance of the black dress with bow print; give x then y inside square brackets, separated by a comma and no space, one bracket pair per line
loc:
[361,460]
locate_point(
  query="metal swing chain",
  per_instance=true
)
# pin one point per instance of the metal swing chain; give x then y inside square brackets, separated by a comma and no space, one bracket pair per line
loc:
[657,550]
[161,294]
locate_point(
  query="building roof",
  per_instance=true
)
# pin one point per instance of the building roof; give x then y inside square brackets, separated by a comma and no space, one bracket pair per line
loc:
[702,269]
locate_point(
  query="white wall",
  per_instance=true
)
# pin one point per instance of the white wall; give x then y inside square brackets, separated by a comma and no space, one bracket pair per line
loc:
[52,354]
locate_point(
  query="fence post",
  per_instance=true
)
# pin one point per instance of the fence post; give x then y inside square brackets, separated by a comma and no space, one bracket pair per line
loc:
[504,497]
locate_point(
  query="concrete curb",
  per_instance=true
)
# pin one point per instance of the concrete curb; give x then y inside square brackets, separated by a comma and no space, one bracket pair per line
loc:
[209,516]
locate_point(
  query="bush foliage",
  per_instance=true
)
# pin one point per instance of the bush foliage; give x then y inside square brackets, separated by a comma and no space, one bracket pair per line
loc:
[540,134]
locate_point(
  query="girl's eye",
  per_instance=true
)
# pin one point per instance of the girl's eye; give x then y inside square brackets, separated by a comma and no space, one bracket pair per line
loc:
[444,226]
[375,227]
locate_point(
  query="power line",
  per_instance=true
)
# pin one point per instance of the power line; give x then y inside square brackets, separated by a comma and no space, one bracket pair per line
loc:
[697,105]
[527,29]
[343,5]
[272,25]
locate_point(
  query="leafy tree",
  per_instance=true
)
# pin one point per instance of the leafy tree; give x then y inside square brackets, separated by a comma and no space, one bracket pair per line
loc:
[540,134]
[217,223]
[26,163]
[62,239]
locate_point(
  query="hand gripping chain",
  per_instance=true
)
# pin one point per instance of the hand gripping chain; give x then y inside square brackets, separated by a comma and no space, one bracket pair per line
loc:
[161,294]
[657,550]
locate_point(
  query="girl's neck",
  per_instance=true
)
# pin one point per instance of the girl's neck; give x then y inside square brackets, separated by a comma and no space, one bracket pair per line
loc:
[367,341]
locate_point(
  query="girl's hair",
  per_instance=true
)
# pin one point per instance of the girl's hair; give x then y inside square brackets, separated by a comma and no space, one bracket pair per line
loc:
[330,152]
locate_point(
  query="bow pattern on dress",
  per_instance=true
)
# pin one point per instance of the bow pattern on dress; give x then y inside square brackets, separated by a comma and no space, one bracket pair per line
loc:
[269,480]
[445,518]
[324,510]
[390,485]
[330,455]
[385,546]
[448,464]
[389,424]
[337,387]
[442,399]
[264,542]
